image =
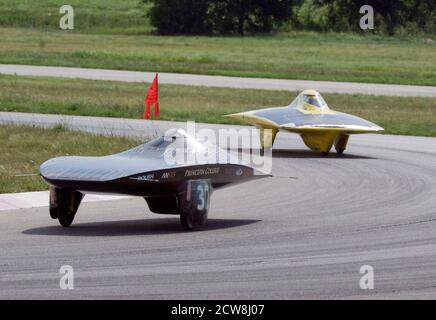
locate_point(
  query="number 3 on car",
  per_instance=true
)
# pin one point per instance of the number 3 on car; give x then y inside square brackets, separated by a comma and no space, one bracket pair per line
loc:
[194,199]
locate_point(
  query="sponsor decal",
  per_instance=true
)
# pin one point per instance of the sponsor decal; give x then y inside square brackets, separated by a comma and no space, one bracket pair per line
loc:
[201,172]
[168,175]
[148,177]
[145,178]
[239,172]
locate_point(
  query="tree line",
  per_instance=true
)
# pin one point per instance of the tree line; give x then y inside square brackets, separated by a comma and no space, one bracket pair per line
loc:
[262,16]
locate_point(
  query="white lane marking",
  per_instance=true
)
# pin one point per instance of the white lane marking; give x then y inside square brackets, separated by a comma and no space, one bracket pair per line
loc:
[25,200]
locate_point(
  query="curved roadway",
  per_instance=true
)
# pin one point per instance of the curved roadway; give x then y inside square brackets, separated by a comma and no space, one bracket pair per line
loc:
[273,238]
[221,81]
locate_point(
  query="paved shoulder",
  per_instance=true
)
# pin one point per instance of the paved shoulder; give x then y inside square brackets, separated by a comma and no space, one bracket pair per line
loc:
[26,200]
[220,81]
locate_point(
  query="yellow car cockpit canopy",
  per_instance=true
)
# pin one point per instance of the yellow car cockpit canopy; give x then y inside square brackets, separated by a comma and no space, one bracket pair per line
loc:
[310,101]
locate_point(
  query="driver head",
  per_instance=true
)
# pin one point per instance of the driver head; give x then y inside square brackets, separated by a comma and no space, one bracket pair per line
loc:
[310,101]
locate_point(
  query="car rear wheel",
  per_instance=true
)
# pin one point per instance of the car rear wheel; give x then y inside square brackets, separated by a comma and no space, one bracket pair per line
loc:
[187,219]
[64,204]
[66,218]
[193,201]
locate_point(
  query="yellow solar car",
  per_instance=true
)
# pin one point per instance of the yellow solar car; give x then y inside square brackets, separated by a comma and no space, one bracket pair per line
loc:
[310,117]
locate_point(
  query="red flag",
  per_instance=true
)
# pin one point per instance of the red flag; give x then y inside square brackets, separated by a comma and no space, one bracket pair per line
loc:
[152,99]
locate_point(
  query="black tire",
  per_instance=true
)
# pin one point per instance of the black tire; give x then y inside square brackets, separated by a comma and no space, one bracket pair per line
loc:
[187,220]
[64,204]
[54,213]
[65,218]
[200,219]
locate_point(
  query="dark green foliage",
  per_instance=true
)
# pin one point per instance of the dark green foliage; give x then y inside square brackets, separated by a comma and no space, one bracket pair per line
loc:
[402,17]
[391,16]
[220,16]
[180,16]
[236,16]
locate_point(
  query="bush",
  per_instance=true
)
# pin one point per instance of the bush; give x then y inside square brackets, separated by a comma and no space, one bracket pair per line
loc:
[179,16]
[218,17]
[400,17]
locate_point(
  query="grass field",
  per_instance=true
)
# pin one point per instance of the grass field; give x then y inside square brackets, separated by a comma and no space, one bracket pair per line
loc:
[23,149]
[117,35]
[92,16]
[310,56]
[398,115]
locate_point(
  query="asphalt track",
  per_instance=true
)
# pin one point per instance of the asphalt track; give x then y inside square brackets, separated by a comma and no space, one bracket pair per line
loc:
[273,238]
[220,81]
